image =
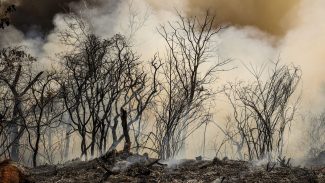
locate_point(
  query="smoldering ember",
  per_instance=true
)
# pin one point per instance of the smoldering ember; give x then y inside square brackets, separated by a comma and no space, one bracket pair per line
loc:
[109,91]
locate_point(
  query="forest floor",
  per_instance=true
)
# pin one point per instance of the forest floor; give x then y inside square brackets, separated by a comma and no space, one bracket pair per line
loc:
[136,168]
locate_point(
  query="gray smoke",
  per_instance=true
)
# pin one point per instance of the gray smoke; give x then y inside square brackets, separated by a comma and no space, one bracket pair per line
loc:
[37,15]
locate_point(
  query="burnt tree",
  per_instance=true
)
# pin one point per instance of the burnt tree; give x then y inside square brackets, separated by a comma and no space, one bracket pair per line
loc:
[17,77]
[127,145]
[263,109]
[183,104]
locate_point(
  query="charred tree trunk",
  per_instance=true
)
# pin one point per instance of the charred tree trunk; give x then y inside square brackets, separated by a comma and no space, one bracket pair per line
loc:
[127,145]
[93,143]
[14,139]
[35,153]
[83,145]
[114,133]
[14,131]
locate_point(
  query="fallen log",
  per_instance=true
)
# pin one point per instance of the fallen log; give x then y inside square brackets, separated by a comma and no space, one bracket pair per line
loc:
[11,173]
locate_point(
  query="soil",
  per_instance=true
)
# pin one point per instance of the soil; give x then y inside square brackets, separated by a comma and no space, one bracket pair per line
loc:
[136,168]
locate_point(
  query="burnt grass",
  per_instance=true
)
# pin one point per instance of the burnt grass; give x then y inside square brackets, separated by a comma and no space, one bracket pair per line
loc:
[136,168]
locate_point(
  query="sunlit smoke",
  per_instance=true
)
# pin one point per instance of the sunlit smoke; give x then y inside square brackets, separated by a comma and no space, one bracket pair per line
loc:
[275,17]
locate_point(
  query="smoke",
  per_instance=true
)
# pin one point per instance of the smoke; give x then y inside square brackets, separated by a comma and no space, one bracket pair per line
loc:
[259,31]
[274,16]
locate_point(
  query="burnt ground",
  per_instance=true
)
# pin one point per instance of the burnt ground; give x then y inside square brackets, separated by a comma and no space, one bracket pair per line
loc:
[137,168]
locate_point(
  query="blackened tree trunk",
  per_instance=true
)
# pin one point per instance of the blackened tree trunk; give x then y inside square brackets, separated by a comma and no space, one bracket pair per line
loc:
[127,145]
[14,129]
[35,153]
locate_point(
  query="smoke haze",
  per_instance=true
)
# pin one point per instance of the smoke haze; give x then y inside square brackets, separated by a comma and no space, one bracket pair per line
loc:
[274,16]
[259,31]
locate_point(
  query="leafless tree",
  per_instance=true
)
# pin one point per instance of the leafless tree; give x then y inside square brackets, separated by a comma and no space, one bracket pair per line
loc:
[136,100]
[102,77]
[232,136]
[5,106]
[82,91]
[182,106]
[46,111]
[17,78]
[262,108]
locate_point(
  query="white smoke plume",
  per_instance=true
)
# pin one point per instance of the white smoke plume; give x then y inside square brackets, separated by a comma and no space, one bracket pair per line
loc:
[261,31]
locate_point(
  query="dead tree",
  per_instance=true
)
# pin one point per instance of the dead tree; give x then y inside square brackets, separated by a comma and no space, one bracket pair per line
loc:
[46,111]
[182,106]
[127,144]
[4,125]
[86,86]
[232,136]
[103,76]
[17,77]
[144,94]
[262,109]
[136,100]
